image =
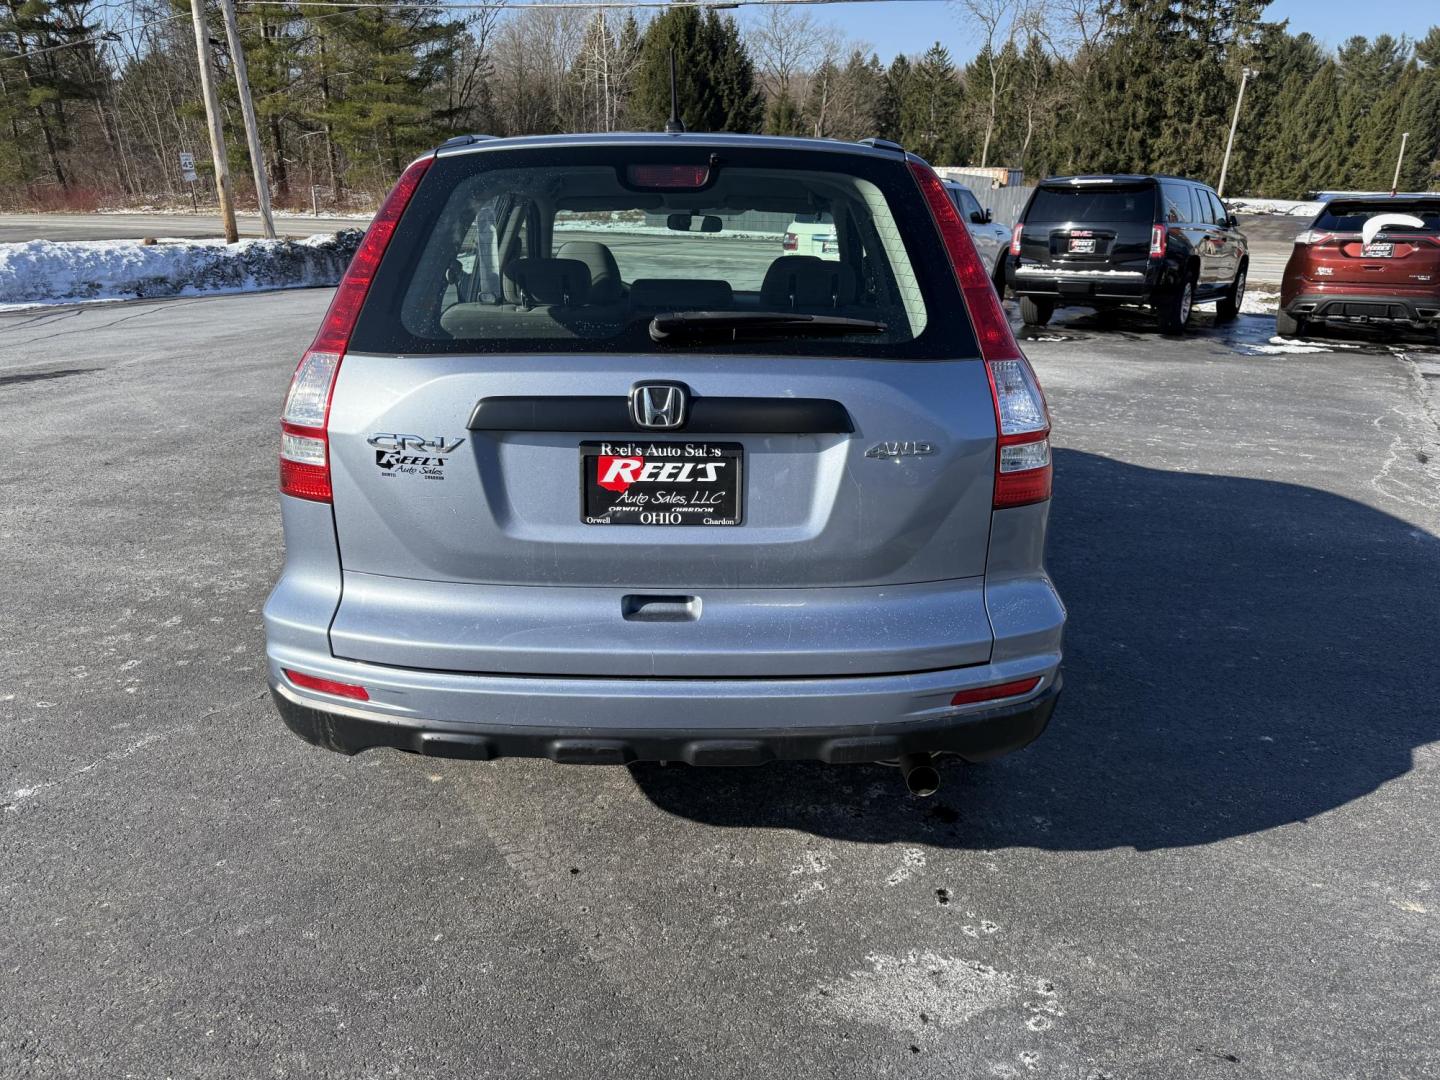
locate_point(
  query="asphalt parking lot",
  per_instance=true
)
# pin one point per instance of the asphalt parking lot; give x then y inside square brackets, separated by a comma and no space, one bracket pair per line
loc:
[1219,862]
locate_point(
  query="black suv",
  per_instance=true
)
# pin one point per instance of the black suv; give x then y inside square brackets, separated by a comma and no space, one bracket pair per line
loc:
[1104,241]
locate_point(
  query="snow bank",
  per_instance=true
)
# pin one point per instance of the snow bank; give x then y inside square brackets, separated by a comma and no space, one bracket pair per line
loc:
[44,272]
[1287,207]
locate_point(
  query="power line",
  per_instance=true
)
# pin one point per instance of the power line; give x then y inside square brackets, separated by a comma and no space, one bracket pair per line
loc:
[113,34]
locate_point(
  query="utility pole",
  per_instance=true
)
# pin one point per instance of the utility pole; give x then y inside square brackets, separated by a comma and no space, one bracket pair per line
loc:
[1245,75]
[247,110]
[212,116]
[1395,184]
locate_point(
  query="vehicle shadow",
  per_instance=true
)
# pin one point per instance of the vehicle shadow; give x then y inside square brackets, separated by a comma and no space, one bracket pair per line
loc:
[1241,654]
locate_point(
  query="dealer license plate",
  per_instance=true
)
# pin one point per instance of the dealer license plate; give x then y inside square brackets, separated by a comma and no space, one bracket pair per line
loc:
[640,482]
[1082,247]
[1378,251]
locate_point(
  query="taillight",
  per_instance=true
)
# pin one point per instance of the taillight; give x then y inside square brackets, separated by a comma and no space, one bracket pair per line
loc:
[304,443]
[1315,236]
[791,242]
[1015,240]
[1022,456]
[1023,471]
[992,329]
[1159,234]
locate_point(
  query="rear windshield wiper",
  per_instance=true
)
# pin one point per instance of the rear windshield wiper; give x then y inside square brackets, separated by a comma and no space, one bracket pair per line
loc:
[751,325]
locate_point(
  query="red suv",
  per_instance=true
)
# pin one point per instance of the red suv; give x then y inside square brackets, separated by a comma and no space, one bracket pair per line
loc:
[1367,260]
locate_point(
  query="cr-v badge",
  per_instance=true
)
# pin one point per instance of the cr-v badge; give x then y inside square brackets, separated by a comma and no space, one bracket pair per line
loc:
[412,455]
[889,451]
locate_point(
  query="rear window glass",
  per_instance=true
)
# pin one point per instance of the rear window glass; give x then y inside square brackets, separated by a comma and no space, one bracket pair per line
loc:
[1351,217]
[564,250]
[1093,203]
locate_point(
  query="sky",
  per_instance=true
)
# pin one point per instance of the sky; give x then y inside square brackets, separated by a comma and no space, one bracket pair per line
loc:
[912,26]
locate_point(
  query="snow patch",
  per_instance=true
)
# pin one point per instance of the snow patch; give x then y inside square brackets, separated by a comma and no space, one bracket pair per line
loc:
[1285,207]
[46,272]
[1260,303]
[897,990]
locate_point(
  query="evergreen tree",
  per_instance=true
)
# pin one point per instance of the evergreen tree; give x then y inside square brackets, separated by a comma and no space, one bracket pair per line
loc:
[713,74]
[930,105]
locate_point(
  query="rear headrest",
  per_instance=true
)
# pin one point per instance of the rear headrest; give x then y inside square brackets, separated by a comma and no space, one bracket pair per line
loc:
[548,281]
[681,294]
[804,281]
[605,286]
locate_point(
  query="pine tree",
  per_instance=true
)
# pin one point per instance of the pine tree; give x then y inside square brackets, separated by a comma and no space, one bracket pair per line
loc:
[930,109]
[714,76]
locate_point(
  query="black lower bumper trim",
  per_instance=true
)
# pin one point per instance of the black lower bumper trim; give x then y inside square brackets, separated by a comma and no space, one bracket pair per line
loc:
[973,736]
[1416,313]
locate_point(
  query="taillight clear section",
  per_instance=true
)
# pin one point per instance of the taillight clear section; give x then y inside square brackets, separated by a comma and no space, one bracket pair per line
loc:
[1158,236]
[304,444]
[1023,471]
[1015,239]
[1022,456]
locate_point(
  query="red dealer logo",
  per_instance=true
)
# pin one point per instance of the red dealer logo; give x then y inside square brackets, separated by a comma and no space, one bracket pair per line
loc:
[617,473]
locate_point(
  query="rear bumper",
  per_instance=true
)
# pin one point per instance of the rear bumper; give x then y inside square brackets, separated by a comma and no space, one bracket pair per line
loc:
[729,722]
[1082,286]
[1381,309]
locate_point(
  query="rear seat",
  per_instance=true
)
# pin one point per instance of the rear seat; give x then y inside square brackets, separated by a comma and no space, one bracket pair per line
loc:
[808,283]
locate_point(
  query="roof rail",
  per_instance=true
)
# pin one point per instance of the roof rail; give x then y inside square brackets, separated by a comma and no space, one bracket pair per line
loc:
[465,140]
[883,144]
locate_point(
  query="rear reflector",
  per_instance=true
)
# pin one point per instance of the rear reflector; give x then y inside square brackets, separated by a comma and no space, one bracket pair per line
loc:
[327,686]
[304,422]
[999,690]
[669,176]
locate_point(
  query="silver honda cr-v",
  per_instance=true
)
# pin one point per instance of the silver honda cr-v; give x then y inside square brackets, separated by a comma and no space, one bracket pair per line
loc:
[583,465]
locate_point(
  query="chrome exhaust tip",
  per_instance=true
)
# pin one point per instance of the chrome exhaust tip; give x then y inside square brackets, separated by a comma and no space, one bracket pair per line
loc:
[922,778]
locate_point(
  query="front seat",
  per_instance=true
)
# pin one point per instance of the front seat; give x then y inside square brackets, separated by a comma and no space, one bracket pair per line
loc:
[605,284]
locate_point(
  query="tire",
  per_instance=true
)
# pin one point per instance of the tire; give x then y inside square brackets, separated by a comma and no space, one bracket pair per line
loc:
[1036,312]
[1288,325]
[1174,308]
[1229,306]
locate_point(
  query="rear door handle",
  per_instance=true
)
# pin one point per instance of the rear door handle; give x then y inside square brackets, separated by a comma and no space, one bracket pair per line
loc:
[640,607]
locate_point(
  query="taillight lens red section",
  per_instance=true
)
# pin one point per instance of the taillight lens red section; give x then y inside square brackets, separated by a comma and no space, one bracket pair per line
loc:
[992,329]
[1022,419]
[669,176]
[994,693]
[327,686]
[304,423]
[791,242]
[1015,239]
[1159,234]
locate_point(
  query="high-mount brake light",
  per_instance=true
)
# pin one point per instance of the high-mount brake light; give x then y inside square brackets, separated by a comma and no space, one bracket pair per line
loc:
[1015,239]
[304,441]
[1159,237]
[1022,420]
[669,176]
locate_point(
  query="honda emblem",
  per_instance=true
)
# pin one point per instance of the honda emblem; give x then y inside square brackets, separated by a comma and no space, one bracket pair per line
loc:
[658,405]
